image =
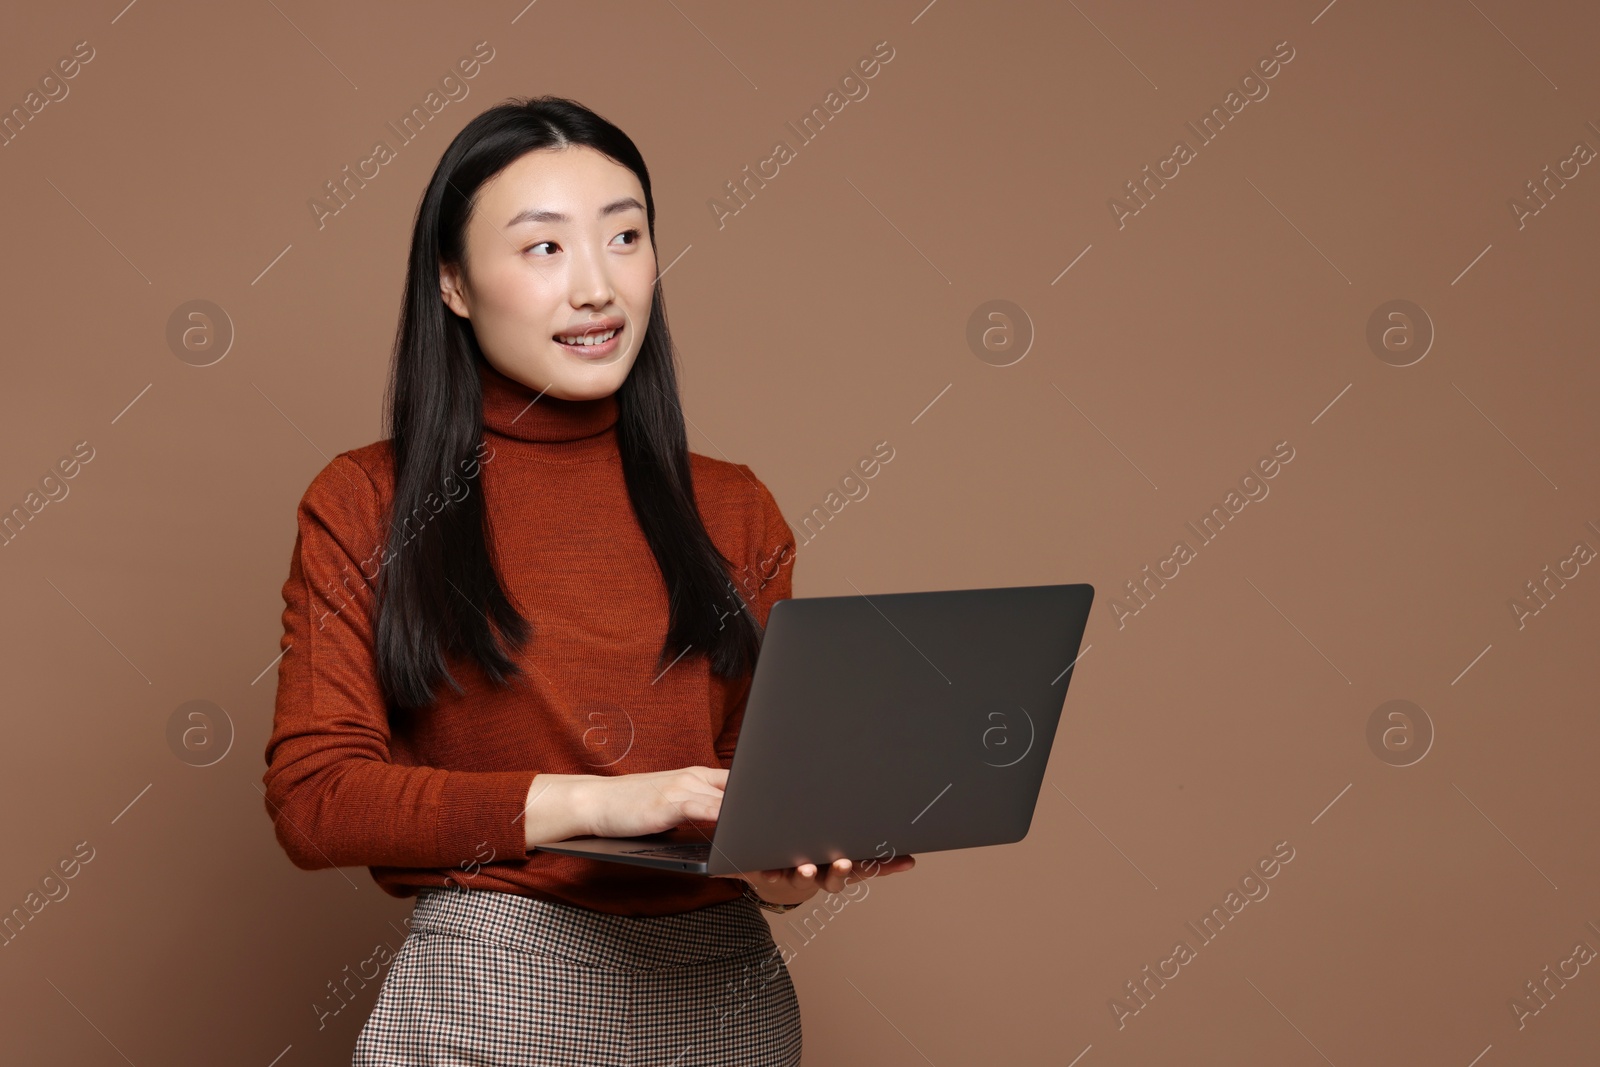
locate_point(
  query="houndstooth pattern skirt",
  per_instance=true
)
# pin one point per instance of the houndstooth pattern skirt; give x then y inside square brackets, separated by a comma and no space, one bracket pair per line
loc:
[489,979]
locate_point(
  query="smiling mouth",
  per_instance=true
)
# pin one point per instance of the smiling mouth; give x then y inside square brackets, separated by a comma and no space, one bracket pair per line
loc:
[589,340]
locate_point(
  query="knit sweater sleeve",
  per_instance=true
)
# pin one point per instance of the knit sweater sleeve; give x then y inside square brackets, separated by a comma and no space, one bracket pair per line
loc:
[771,561]
[334,796]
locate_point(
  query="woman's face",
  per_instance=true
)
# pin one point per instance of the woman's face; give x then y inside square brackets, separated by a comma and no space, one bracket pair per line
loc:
[558,246]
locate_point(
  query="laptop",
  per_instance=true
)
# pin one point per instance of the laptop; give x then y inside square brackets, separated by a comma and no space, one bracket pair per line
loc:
[913,722]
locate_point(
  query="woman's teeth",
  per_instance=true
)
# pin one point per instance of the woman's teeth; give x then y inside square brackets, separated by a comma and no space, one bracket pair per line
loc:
[589,339]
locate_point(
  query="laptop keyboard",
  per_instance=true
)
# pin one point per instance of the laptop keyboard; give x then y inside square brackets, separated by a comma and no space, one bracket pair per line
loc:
[696,851]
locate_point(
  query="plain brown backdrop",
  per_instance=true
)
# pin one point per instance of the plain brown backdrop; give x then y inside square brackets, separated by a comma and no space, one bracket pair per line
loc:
[1437,871]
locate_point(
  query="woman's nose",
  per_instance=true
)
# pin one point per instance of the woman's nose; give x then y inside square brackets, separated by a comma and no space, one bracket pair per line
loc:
[591,281]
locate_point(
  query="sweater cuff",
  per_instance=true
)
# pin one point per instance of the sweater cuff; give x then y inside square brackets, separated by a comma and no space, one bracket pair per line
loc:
[479,809]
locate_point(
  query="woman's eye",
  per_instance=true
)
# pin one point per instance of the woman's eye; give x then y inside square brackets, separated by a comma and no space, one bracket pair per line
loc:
[635,234]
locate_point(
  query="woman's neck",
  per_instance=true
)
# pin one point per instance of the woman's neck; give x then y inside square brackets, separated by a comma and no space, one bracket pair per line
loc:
[514,410]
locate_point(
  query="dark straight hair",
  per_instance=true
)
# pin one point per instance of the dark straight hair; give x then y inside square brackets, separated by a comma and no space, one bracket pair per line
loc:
[438,591]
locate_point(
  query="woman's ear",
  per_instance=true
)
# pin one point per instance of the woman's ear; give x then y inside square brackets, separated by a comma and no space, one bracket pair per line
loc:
[450,290]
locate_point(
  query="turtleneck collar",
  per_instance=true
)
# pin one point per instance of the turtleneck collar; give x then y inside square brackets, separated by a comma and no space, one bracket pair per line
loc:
[558,429]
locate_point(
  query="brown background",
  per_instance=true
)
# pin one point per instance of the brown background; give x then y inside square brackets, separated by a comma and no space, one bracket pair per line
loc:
[830,314]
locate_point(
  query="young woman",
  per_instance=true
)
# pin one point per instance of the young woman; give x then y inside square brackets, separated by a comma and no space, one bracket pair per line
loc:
[532,613]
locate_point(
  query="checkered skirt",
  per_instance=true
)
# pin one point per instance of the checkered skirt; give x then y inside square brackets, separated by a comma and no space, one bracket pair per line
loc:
[491,978]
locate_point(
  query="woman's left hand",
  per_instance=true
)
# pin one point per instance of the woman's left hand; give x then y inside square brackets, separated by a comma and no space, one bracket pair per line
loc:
[796,885]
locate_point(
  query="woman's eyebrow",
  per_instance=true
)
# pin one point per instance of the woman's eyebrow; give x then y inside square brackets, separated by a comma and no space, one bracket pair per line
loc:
[626,203]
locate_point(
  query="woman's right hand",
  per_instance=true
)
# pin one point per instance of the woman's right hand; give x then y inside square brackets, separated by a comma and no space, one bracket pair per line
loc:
[630,805]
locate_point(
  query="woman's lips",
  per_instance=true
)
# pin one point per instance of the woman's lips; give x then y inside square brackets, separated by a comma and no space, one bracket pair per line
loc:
[594,351]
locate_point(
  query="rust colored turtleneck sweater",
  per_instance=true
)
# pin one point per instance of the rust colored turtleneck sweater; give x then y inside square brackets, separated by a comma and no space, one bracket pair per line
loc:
[435,797]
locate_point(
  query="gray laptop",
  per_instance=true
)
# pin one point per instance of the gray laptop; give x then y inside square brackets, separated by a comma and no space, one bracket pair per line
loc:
[884,724]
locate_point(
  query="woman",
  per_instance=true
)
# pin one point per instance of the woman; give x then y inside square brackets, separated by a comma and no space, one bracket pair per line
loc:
[531,613]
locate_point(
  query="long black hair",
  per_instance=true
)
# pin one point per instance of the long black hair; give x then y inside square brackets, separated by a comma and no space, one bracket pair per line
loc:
[439,591]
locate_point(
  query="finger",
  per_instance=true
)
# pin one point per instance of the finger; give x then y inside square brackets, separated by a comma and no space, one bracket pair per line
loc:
[697,809]
[823,876]
[694,784]
[838,874]
[700,800]
[873,868]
